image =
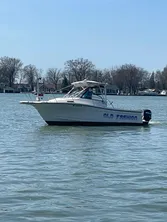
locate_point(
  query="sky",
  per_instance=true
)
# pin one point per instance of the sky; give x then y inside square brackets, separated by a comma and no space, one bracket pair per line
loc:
[47,33]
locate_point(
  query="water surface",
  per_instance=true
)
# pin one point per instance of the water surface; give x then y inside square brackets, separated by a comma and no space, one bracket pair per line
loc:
[90,174]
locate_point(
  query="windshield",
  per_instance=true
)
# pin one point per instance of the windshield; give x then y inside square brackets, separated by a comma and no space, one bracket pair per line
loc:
[95,93]
[75,92]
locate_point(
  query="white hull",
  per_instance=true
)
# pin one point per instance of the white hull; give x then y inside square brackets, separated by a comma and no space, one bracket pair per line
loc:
[81,114]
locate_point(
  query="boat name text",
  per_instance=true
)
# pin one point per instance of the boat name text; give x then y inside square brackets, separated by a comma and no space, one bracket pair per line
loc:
[119,116]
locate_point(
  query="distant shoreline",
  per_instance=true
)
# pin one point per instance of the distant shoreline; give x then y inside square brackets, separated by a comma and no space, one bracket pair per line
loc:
[64,94]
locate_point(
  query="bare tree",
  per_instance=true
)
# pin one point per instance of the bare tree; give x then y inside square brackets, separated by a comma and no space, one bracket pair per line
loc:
[159,80]
[97,75]
[118,78]
[128,78]
[164,77]
[152,81]
[3,76]
[10,68]
[30,74]
[144,82]
[109,75]
[79,69]
[53,76]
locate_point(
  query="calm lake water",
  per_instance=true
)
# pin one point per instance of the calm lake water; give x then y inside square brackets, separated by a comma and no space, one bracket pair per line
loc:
[89,174]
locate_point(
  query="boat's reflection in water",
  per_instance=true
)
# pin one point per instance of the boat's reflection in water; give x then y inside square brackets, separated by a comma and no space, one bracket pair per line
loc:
[94,129]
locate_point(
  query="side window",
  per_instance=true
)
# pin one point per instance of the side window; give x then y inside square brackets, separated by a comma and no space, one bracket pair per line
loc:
[87,94]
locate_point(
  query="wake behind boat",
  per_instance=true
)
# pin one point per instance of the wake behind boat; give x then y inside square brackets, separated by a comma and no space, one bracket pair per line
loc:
[86,104]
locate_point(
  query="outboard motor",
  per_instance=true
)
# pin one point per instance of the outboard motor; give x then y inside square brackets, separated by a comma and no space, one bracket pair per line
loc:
[147,115]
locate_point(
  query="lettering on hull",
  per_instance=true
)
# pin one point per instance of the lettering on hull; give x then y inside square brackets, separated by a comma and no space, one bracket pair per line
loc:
[119,116]
[107,115]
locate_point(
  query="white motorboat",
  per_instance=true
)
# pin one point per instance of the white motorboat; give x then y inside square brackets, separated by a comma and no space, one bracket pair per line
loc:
[148,92]
[163,93]
[86,104]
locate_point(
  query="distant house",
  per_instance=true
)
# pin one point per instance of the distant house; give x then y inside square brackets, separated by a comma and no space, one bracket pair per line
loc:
[1,87]
[8,89]
[46,88]
[49,88]
[112,90]
[21,88]
[17,88]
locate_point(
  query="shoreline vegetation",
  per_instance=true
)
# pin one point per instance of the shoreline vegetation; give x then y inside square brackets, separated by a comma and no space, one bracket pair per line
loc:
[59,93]
[124,80]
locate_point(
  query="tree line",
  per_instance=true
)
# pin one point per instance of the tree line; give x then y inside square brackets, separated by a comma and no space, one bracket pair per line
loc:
[129,78]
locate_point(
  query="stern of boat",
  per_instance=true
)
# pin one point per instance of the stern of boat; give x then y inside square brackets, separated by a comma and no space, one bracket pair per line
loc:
[147,115]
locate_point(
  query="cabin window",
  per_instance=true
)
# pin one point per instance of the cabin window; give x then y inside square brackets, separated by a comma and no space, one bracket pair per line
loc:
[88,94]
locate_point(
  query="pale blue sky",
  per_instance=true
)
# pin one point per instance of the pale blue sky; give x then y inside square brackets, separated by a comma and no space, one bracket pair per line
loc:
[47,33]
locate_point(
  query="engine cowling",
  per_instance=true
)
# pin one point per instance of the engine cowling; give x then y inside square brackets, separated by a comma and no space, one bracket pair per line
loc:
[147,115]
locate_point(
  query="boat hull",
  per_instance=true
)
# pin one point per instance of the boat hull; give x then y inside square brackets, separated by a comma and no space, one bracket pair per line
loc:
[80,114]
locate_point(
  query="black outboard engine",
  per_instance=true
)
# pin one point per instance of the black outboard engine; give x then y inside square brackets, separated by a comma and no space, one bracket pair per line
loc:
[147,115]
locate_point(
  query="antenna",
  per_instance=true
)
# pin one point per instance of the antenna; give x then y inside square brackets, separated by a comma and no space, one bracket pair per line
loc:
[38,97]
